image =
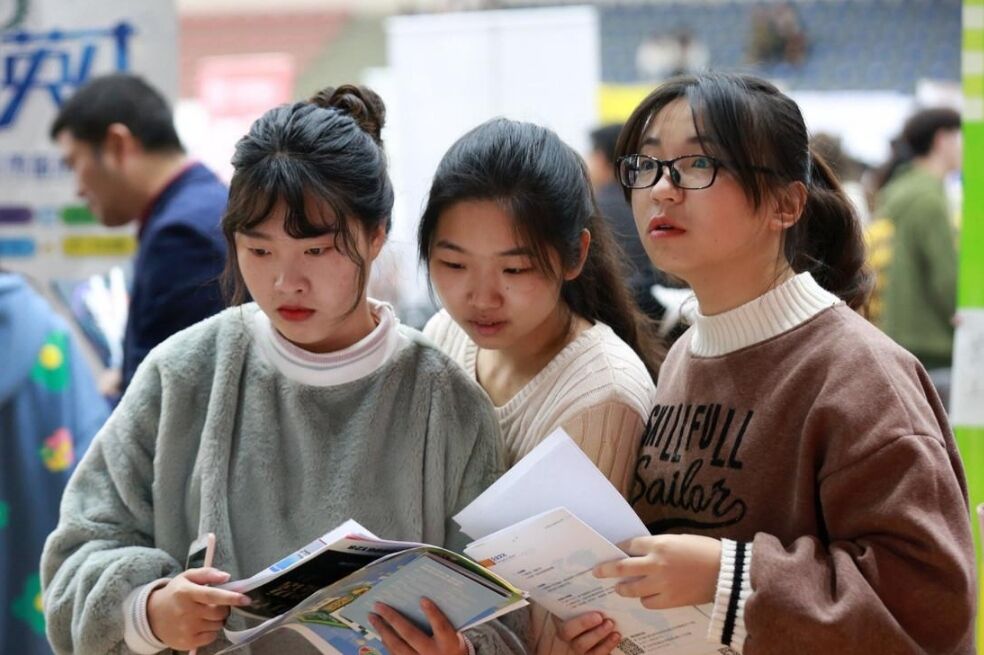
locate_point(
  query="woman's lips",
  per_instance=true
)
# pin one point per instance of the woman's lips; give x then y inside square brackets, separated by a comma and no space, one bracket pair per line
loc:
[488,328]
[295,313]
[661,228]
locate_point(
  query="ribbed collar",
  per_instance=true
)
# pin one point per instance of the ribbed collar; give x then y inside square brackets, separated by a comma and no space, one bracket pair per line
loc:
[779,310]
[329,369]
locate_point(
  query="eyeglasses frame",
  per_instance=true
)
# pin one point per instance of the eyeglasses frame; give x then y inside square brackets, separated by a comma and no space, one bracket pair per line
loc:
[669,165]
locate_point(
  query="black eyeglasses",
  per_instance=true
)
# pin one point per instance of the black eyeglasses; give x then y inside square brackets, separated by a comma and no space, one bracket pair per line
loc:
[686,171]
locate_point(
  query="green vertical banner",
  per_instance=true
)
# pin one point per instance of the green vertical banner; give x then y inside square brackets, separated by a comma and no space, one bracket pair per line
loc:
[967,390]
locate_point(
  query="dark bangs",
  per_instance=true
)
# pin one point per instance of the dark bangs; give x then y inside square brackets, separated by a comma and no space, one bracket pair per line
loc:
[310,207]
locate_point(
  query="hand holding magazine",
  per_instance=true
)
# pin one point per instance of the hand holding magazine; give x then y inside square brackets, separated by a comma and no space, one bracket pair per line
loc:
[326,590]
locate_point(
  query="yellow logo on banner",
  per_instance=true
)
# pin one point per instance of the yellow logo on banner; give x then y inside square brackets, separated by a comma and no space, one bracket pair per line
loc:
[99,245]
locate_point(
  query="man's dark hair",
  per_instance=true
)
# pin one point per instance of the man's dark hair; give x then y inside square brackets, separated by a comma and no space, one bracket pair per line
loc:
[604,138]
[119,98]
[920,130]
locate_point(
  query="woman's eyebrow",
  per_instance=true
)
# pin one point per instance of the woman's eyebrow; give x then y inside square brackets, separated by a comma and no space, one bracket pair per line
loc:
[253,233]
[693,140]
[521,251]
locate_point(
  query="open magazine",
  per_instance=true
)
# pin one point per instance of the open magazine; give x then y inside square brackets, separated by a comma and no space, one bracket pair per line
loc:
[326,590]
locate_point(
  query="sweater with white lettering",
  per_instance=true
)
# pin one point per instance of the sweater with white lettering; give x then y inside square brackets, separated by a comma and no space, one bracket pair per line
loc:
[224,429]
[819,451]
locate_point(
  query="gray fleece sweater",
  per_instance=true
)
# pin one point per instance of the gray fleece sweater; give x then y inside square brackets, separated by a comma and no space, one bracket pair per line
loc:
[211,437]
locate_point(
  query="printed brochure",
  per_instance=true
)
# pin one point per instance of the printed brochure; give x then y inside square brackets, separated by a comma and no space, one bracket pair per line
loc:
[548,521]
[326,590]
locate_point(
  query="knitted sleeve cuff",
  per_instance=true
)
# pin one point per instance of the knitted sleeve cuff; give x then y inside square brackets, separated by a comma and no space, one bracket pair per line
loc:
[136,626]
[734,586]
[469,645]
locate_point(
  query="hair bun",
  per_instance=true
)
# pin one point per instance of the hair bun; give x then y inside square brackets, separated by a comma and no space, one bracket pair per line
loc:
[360,102]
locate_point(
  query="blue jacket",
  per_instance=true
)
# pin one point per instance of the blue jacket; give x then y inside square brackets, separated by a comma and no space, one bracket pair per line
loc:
[176,272]
[49,411]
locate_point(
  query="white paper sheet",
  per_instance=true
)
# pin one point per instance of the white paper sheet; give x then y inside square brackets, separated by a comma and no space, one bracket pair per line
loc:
[552,556]
[556,473]
[967,383]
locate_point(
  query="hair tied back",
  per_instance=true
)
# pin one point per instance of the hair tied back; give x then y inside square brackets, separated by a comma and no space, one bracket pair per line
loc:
[361,103]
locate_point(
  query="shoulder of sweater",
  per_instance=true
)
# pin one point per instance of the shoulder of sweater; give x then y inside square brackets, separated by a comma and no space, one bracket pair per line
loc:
[447,335]
[602,349]
[866,387]
[431,360]
[607,370]
[450,392]
[443,331]
[840,333]
[197,349]
[835,336]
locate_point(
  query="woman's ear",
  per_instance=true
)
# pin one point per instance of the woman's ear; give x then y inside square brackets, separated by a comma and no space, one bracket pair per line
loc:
[582,256]
[377,239]
[788,206]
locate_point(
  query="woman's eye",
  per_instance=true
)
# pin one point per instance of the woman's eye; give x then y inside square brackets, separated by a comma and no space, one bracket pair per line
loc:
[515,271]
[701,162]
[259,252]
[316,251]
[454,266]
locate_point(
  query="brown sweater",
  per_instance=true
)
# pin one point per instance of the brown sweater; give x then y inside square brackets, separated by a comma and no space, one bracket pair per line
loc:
[825,453]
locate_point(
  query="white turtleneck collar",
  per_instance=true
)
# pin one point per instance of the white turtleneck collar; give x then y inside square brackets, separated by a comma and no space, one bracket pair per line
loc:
[329,369]
[779,310]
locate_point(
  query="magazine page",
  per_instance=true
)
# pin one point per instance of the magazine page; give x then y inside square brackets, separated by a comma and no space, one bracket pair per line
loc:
[350,527]
[402,581]
[555,473]
[314,609]
[477,594]
[330,638]
[330,558]
[552,555]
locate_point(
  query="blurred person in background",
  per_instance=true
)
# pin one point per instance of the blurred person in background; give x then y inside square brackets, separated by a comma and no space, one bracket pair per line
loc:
[639,272]
[118,137]
[49,411]
[777,35]
[913,240]
[611,201]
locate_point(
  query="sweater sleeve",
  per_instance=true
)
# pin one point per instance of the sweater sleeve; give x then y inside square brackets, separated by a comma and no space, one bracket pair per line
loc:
[103,547]
[897,575]
[609,433]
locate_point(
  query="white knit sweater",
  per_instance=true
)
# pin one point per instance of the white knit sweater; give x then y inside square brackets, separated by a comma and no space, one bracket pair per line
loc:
[596,388]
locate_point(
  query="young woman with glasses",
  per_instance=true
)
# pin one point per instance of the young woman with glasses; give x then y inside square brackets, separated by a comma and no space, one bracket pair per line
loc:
[535,307]
[797,470]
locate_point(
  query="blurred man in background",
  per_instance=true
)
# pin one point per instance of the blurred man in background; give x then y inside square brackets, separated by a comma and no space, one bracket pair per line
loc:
[918,288]
[659,296]
[118,137]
